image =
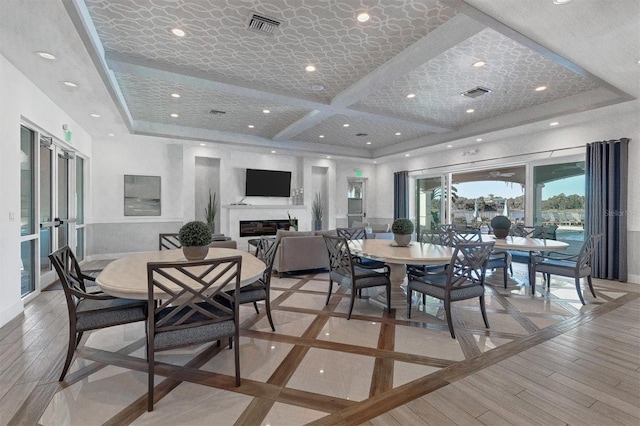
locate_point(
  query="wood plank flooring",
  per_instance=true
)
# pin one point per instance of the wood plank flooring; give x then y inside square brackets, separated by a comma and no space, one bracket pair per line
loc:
[546,360]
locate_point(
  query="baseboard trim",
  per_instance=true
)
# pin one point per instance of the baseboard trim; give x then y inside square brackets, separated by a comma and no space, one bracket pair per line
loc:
[11,312]
[633,278]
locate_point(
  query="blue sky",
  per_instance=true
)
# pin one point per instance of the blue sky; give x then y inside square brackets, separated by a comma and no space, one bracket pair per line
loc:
[572,185]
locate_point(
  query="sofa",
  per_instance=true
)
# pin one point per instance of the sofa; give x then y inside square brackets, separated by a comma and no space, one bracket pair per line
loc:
[299,251]
[375,231]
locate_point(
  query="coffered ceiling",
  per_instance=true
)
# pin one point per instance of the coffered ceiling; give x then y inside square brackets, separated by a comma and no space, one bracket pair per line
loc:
[355,102]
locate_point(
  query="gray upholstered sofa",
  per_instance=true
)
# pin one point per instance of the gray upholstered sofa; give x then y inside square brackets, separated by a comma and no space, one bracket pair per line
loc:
[300,251]
[378,231]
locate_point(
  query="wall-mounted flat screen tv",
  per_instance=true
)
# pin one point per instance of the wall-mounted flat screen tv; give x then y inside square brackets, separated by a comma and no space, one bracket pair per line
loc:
[267,183]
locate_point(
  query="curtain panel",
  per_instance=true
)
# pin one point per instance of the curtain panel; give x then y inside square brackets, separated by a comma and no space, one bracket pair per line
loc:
[400,194]
[606,177]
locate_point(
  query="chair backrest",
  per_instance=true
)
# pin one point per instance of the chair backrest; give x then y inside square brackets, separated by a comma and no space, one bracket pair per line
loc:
[352,233]
[468,264]
[169,242]
[466,236]
[340,259]
[70,275]
[430,237]
[587,250]
[447,233]
[266,252]
[522,230]
[194,293]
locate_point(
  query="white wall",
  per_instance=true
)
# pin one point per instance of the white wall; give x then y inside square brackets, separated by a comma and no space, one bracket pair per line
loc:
[21,100]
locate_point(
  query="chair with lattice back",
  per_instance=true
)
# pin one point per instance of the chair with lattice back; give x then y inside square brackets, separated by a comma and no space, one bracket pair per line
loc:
[89,310]
[346,272]
[462,279]
[359,234]
[196,307]
[169,242]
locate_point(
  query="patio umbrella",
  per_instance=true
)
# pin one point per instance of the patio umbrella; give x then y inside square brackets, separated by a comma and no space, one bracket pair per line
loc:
[475,210]
[505,211]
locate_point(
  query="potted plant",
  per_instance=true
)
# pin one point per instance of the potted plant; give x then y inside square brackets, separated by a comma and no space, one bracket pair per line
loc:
[195,238]
[402,229]
[500,225]
[210,212]
[317,209]
[293,222]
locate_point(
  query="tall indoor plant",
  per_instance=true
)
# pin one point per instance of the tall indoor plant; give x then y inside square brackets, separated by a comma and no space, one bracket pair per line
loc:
[317,209]
[210,212]
[195,238]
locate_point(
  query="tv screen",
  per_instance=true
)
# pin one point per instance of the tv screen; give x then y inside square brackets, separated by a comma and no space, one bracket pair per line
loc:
[267,183]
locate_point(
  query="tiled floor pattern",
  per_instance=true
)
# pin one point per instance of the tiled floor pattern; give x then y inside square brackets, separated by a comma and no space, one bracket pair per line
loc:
[317,366]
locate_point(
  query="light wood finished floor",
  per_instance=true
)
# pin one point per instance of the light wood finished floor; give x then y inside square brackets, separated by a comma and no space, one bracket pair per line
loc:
[545,360]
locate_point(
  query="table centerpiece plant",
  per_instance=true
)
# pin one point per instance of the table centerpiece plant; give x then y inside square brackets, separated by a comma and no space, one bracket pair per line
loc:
[195,238]
[500,225]
[402,229]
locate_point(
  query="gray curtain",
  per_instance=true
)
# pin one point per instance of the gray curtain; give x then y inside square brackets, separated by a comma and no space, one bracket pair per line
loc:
[400,195]
[606,178]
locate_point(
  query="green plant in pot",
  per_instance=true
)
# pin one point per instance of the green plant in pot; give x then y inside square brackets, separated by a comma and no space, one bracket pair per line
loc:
[402,229]
[500,225]
[317,210]
[210,212]
[195,238]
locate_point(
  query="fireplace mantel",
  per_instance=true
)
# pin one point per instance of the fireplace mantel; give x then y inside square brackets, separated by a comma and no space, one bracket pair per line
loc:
[232,214]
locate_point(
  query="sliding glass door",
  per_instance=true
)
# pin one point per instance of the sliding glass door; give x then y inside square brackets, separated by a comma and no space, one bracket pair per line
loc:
[28,235]
[430,203]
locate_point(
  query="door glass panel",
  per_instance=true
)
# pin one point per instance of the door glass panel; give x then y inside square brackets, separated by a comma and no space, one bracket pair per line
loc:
[27,184]
[430,203]
[80,244]
[45,209]
[355,202]
[559,201]
[63,200]
[79,191]
[27,277]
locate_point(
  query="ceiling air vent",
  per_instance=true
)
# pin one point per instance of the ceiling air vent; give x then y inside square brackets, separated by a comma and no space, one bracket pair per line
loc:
[362,134]
[262,24]
[477,92]
[216,112]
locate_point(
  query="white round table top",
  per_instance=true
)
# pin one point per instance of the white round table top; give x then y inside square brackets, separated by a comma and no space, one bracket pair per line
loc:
[525,243]
[415,253]
[127,277]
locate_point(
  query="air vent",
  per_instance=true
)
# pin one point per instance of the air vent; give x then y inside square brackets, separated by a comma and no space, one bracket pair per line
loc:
[262,24]
[477,92]
[216,112]
[362,134]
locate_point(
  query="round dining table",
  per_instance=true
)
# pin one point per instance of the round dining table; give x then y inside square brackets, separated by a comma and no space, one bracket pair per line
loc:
[127,277]
[525,243]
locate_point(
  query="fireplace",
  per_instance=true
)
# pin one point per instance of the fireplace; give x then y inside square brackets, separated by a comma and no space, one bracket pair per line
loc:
[254,228]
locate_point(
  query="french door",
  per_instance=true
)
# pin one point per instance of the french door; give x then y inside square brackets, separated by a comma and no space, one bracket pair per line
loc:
[356,201]
[431,205]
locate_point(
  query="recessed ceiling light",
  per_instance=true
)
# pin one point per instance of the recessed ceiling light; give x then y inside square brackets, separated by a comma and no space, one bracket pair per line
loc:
[203,144]
[398,133]
[46,55]
[449,146]
[541,88]
[310,68]
[94,115]
[345,125]
[368,142]
[470,111]
[69,83]
[251,126]
[174,115]
[478,64]
[479,140]
[178,32]
[375,162]
[321,136]
[363,17]
[317,87]
[561,1]
[273,152]
[175,95]
[406,155]
[266,111]
[328,156]
[411,95]
[555,123]
[111,134]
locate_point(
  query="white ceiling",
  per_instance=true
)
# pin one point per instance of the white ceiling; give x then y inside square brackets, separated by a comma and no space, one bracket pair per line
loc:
[127,63]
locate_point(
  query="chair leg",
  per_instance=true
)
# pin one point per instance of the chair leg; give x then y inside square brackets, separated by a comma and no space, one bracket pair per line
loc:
[447,311]
[389,298]
[548,279]
[484,312]
[329,293]
[532,279]
[267,306]
[424,302]
[79,338]
[70,350]
[255,305]
[409,293]
[591,285]
[150,373]
[579,290]
[353,299]
[236,356]
[511,269]
[504,276]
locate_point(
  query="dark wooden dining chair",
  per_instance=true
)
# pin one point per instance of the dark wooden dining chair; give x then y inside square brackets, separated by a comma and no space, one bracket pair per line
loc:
[89,310]
[576,266]
[260,290]
[359,234]
[344,270]
[195,307]
[462,279]
[169,242]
